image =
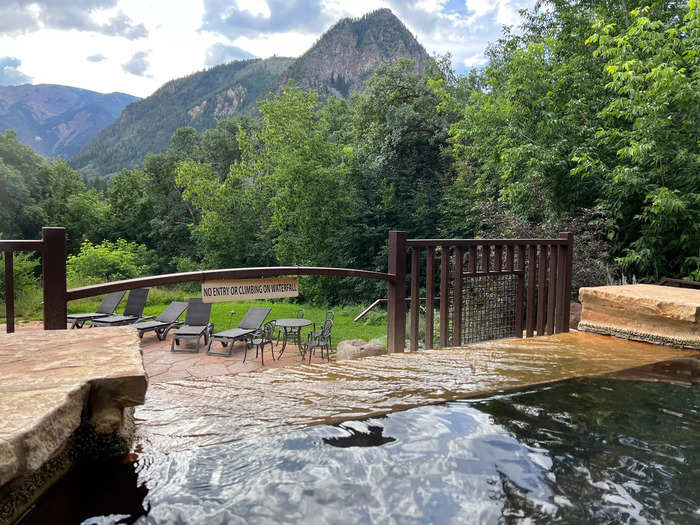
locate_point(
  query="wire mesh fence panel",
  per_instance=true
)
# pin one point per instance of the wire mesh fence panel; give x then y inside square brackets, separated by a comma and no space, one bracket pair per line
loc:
[488,307]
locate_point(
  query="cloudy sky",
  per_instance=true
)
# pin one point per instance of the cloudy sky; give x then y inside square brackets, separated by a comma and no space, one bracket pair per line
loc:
[135,46]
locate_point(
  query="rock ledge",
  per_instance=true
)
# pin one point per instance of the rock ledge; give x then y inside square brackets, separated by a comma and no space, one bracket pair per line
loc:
[643,312]
[53,381]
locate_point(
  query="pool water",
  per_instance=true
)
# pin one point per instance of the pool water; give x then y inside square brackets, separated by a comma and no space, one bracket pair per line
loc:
[579,451]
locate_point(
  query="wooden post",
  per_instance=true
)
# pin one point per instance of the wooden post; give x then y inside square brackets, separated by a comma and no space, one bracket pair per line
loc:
[552,289]
[498,258]
[531,278]
[53,257]
[415,296]
[560,314]
[509,257]
[9,292]
[457,297]
[444,295]
[520,267]
[541,288]
[485,258]
[429,295]
[396,306]
[568,273]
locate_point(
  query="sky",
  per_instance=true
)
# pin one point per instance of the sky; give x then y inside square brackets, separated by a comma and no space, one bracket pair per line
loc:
[135,46]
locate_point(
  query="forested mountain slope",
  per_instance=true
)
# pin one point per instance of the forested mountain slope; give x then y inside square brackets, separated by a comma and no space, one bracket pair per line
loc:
[340,62]
[58,120]
[199,100]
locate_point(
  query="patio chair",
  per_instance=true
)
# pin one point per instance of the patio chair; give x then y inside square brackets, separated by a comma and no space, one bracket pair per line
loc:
[132,311]
[294,334]
[107,307]
[321,341]
[261,338]
[196,326]
[167,320]
[252,322]
[330,316]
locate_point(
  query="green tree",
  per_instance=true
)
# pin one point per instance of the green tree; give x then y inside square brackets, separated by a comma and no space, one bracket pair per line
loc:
[287,199]
[652,185]
[402,165]
[23,183]
[70,204]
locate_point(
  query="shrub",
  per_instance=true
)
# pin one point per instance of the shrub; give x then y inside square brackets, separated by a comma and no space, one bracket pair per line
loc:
[110,261]
[27,289]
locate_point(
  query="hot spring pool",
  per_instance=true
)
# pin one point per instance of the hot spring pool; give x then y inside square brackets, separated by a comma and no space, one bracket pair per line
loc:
[579,451]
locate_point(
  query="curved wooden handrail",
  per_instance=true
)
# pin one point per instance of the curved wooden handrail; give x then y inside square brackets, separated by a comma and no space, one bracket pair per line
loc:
[229,273]
[426,243]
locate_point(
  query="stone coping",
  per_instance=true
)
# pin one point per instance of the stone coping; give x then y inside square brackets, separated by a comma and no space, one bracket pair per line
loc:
[47,381]
[643,312]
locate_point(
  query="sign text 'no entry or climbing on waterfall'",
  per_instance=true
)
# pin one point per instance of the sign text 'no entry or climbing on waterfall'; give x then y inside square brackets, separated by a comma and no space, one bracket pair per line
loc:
[249,289]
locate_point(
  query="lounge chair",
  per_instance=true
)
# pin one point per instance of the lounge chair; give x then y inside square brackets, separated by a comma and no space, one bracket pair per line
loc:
[167,320]
[252,322]
[132,311]
[107,307]
[196,326]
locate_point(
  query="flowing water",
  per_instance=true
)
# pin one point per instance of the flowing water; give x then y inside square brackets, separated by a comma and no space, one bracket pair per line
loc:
[371,442]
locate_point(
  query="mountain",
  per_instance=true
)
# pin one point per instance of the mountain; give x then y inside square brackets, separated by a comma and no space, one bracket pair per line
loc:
[58,120]
[345,56]
[337,64]
[199,100]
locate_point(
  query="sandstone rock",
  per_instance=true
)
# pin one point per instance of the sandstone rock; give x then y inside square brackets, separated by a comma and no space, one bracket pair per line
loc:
[48,379]
[355,348]
[644,312]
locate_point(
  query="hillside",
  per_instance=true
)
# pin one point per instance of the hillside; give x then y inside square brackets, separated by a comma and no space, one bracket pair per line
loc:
[345,56]
[199,100]
[58,120]
[338,63]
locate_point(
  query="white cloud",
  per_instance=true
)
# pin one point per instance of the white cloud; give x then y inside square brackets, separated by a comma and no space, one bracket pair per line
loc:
[255,7]
[475,60]
[179,45]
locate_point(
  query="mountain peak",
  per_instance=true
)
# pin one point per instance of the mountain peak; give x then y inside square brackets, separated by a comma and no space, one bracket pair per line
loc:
[345,55]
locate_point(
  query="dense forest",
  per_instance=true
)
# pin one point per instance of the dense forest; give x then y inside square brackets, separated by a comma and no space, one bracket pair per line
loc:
[587,120]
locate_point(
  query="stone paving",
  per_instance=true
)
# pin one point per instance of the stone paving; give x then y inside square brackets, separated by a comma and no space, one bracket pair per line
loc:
[163,365]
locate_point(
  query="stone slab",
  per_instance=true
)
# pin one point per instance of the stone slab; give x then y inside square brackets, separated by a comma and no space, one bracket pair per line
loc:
[643,312]
[47,379]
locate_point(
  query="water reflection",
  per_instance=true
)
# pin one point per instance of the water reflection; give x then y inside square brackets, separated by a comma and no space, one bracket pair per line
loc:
[580,451]
[359,434]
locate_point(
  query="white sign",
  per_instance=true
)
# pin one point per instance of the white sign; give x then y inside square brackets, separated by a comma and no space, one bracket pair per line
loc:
[249,289]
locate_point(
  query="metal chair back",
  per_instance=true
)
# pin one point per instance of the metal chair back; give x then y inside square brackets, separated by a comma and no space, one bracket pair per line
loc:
[254,318]
[136,302]
[326,330]
[198,313]
[172,312]
[264,335]
[110,302]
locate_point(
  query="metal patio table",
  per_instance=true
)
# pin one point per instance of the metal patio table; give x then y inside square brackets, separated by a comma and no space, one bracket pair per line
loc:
[292,329]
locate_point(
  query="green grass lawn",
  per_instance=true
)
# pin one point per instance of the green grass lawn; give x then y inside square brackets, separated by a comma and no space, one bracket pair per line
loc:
[373,326]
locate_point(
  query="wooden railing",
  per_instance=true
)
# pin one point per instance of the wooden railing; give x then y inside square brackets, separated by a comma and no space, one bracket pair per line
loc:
[52,247]
[542,267]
